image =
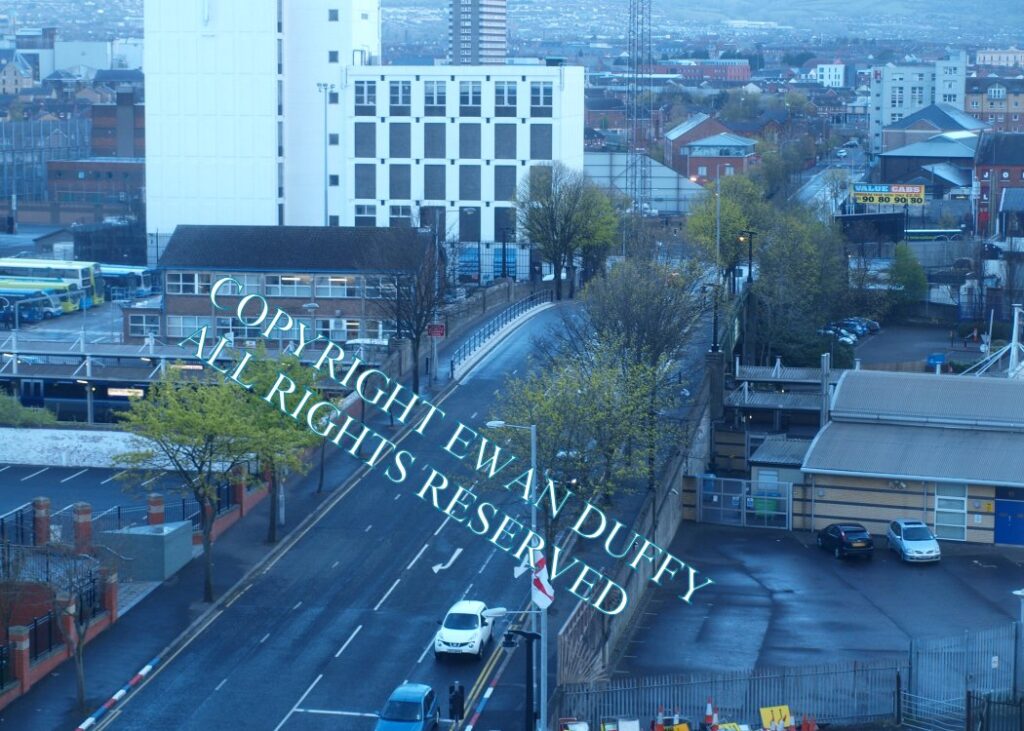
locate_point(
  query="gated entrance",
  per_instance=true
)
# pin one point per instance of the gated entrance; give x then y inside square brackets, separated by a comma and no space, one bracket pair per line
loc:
[1009,522]
[726,501]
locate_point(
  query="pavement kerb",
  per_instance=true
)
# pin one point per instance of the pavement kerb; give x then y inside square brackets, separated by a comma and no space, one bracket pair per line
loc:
[467,365]
[293,536]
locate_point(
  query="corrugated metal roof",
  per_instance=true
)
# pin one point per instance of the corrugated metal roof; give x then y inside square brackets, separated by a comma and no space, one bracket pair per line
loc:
[781,451]
[686,125]
[939,400]
[723,138]
[784,374]
[1012,200]
[918,453]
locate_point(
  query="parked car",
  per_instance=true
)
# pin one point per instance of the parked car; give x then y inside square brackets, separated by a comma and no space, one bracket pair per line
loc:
[846,539]
[841,152]
[857,328]
[464,631]
[411,707]
[835,333]
[913,541]
[871,325]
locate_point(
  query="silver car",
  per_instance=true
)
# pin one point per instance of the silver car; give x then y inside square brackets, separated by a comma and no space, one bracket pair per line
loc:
[913,541]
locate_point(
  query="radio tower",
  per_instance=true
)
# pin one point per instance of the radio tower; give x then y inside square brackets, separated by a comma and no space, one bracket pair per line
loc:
[639,101]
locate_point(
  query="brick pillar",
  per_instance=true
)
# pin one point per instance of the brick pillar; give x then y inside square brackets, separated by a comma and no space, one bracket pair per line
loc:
[155,501]
[238,489]
[21,660]
[110,593]
[83,527]
[66,607]
[41,520]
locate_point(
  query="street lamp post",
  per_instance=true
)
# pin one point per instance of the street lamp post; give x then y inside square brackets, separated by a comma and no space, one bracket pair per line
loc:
[532,428]
[748,237]
[530,721]
[326,90]
[504,253]
[715,348]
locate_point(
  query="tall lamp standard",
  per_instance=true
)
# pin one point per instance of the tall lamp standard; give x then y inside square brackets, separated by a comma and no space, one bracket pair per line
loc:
[715,347]
[532,428]
[748,238]
[326,90]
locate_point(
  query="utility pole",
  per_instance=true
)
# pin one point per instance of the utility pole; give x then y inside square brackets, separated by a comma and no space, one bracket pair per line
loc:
[325,89]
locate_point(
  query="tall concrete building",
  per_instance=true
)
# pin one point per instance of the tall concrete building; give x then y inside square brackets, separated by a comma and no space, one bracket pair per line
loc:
[477,32]
[898,90]
[277,112]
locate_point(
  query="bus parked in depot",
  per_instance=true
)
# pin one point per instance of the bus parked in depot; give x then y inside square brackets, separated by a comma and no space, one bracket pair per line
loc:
[85,275]
[63,293]
[127,282]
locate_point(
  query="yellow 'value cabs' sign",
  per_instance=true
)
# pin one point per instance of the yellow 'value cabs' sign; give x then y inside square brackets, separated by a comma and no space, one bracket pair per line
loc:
[885,193]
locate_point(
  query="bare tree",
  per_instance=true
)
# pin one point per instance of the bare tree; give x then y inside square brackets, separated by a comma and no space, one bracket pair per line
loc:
[416,284]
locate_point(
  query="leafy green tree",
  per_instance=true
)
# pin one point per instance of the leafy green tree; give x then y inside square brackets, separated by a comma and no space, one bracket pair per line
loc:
[565,215]
[12,413]
[280,441]
[198,431]
[908,283]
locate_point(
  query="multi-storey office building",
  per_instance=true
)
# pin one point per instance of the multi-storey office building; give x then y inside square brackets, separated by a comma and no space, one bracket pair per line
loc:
[477,32]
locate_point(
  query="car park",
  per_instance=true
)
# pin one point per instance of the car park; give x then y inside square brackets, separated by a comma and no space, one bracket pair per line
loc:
[465,630]
[857,328]
[846,539]
[913,541]
[410,707]
[871,325]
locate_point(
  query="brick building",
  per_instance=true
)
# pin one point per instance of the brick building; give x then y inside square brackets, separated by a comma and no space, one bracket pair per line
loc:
[119,129]
[293,267]
[695,127]
[998,166]
[996,102]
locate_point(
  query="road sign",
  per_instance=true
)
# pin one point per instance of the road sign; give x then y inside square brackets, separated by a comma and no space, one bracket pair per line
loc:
[894,194]
[436,330]
[935,359]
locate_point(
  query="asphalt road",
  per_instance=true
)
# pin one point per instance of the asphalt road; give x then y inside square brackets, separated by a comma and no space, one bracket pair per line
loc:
[321,637]
[779,601]
[102,489]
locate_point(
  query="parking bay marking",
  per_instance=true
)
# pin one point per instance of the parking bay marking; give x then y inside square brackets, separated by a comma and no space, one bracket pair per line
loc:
[75,475]
[296,706]
[34,474]
[113,477]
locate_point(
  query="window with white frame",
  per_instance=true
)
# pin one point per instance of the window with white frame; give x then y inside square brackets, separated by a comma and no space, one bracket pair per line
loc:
[379,287]
[181,326]
[237,329]
[951,511]
[187,283]
[401,97]
[337,329]
[366,97]
[541,98]
[379,329]
[505,98]
[469,93]
[139,326]
[288,285]
[337,285]
[250,284]
[435,96]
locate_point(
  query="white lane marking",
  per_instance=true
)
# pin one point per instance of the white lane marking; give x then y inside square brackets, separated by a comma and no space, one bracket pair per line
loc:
[368,528]
[444,566]
[350,638]
[467,590]
[4,469]
[386,595]
[442,525]
[425,650]
[417,557]
[296,706]
[487,693]
[265,638]
[236,596]
[335,564]
[473,415]
[326,712]
[486,561]
[297,605]
[113,477]
[75,475]
[34,474]
[221,684]
[151,479]
[398,495]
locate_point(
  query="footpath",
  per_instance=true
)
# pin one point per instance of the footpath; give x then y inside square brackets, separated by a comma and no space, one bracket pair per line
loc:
[141,634]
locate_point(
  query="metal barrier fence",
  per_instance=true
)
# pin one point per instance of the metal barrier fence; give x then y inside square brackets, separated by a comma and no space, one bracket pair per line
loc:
[7,674]
[927,714]
[119,516]
[190,508]
[981,660]
[90,601]
[995,712]
[747,503]
[62,526]
[856,693]
[18,526]
[41,635]
[489,330]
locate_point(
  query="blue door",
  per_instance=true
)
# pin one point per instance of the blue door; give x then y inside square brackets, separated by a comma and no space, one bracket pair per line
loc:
[1010,522]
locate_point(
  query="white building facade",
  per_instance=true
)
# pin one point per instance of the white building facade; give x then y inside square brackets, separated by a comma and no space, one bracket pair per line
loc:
[268,112]
[901,89]
[831,75]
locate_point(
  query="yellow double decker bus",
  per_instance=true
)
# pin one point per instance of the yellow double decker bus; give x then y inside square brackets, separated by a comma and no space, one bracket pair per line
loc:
[85,275]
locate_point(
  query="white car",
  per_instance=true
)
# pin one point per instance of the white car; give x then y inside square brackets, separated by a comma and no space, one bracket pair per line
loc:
[913,541]
[841,152]
[464,631]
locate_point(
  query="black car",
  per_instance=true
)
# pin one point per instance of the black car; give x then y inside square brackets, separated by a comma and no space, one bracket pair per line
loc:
[846,539]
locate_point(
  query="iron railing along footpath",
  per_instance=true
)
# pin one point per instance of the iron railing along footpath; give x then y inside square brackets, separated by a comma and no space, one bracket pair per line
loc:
[481,336]
[18,526]
[7,674]
[42,636]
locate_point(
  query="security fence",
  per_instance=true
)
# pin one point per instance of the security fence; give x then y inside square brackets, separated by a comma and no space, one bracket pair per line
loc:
[7,675]
[746,503]
[485,333]
[17,526]
[969,681]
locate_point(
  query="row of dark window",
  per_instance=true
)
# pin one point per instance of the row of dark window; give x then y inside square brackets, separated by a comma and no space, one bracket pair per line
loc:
[435,141]
[435,98]
[435,182]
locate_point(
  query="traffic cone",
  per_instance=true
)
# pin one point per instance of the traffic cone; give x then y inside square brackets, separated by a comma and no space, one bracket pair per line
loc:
[708,712]
[790,726]
[804,726]
[813,724]
[675,717]
[659,725]
[714,719]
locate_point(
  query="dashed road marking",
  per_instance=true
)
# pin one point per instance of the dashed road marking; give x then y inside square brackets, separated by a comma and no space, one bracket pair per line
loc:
[417,558]
[297,605]
[350,638]
[265,638]
[442,525]
[221,684]
[368,528]
[386,594]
